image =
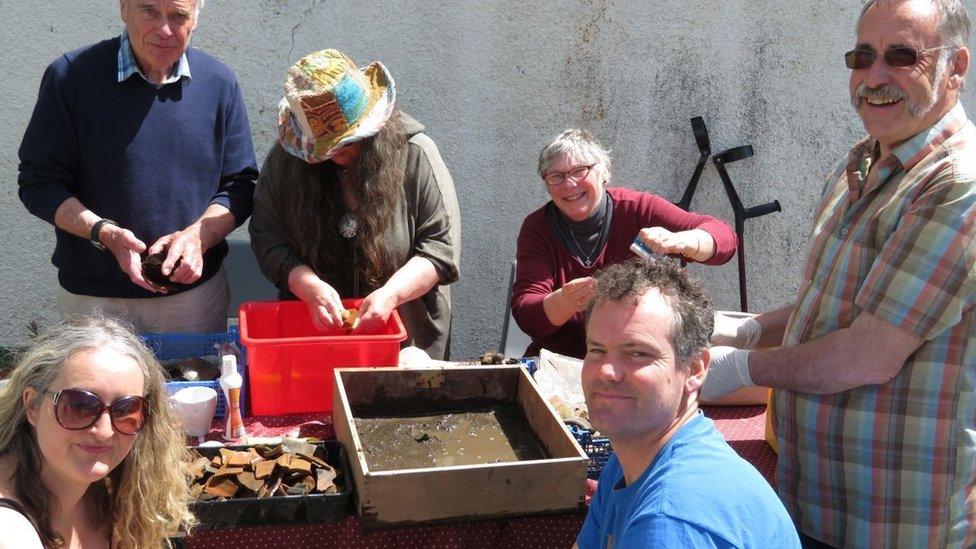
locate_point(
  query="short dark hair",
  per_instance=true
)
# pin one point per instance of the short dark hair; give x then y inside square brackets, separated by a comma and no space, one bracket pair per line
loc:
[692,315]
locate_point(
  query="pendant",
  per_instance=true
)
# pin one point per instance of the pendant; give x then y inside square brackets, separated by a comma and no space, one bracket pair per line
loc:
[348,225]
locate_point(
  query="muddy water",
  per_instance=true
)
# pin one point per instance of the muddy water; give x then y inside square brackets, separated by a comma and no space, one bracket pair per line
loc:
[488,435]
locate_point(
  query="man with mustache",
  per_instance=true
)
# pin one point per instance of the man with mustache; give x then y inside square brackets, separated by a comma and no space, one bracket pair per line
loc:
[672,480]
[138,145]
[875,377]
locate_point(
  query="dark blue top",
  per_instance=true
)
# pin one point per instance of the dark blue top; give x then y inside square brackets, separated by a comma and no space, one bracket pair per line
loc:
[152,159]
[697,493]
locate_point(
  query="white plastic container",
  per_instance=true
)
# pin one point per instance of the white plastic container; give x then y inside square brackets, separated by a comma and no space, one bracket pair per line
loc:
[195,406]
[231,383]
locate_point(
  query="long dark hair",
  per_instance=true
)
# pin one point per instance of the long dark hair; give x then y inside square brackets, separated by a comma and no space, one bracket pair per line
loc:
[311,199]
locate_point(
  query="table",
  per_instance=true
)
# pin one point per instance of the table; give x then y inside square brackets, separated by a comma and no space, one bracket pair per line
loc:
[742,426]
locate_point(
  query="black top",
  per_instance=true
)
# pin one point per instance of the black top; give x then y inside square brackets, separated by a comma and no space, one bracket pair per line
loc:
[584,239]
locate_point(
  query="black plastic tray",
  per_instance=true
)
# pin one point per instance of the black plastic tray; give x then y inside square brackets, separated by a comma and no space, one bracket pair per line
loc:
[241,512]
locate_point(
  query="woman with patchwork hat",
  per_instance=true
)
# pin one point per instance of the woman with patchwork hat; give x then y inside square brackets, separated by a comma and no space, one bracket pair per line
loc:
[354,200]
[586,226]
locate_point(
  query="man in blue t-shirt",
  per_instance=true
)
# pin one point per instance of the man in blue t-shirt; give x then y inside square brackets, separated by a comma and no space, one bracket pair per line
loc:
[128,153]
[672,481]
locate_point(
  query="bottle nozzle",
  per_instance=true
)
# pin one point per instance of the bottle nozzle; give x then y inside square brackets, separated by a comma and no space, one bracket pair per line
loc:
[228,365]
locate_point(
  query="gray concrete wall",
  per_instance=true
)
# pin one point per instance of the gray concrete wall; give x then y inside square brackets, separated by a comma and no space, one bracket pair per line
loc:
[494,81]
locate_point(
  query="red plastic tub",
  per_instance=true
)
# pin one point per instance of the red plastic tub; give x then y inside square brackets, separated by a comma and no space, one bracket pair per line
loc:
[290,361]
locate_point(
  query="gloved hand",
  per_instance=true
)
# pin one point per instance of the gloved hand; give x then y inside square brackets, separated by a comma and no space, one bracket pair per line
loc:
[728,372]
[735,331]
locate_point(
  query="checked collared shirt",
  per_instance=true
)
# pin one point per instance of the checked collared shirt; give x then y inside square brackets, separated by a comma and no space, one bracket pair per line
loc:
[891,465]
[128,66]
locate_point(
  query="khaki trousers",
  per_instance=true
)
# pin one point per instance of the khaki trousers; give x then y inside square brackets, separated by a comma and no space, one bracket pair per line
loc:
[200,310]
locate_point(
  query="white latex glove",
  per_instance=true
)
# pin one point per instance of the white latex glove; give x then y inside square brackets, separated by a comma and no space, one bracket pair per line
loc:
[728,372]
[736,331]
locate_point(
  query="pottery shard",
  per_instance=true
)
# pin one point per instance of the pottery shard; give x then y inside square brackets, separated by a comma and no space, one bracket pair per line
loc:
[239,459]
[264,469]
[269,452]
[350,319]
[225,488]
[315,461]
[198,467]
[284,460]
[216,462]
[228,471]
[325,479]
[302,488]
[299,465]
[249,481]
[226,454]
[295,446]
[253,457]
[270,487]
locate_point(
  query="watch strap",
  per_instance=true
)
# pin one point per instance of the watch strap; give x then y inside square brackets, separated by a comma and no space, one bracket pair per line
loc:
[97,228]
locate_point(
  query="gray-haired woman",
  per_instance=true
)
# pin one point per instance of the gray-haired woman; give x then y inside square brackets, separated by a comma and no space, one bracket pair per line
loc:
[585,226]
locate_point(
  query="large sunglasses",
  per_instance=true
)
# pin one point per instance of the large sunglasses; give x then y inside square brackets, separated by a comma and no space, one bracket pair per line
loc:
[75,410]
[895,56]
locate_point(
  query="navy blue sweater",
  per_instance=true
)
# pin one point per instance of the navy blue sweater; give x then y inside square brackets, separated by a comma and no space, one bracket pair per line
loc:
[151,159]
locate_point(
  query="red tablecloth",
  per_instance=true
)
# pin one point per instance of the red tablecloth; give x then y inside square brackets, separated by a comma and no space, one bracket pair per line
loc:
[743,427]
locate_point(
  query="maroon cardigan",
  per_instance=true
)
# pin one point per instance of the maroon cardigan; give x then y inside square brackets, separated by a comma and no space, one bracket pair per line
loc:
[545,264]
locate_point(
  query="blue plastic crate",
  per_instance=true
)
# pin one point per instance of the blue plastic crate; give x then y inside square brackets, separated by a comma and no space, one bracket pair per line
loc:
[177,346]
[597,449]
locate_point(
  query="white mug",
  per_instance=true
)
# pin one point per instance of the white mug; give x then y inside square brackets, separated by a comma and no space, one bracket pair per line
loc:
[196,407]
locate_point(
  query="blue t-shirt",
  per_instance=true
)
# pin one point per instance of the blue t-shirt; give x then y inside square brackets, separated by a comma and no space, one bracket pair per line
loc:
[697,493]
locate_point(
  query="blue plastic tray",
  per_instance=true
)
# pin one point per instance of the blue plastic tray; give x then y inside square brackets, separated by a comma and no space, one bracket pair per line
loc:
[597,448]
[176,346]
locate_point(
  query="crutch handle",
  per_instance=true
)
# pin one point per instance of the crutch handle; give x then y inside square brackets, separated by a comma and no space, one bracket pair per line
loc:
[763,209]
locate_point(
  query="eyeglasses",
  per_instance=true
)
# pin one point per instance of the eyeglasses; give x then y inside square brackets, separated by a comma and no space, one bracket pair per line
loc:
[75,410]
[895,56]
[558,178]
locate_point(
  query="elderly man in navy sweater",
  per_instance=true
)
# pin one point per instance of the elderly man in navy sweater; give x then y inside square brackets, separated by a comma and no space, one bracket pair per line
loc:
[129,153]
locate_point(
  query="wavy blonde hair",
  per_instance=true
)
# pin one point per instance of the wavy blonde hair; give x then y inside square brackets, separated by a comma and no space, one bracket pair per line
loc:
[144,500]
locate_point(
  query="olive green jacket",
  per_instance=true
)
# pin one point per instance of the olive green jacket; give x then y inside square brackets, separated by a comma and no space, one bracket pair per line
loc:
[427,224]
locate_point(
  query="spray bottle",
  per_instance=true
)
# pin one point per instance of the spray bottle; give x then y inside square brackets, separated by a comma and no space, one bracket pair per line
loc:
[231,382]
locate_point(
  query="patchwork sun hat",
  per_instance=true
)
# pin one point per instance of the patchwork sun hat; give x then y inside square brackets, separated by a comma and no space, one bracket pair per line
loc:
[329,103]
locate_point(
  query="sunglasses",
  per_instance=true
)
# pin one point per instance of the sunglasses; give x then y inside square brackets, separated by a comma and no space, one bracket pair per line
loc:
[895,56]
[558,178]
[75,410]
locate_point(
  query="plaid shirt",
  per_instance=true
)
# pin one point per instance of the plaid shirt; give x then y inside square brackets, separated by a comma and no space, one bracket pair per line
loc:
[128,66]
[891,465]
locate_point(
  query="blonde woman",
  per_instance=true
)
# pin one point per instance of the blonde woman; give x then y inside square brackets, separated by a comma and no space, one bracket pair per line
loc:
[90,451]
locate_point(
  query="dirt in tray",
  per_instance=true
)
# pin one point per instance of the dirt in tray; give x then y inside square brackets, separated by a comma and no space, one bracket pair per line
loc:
[495,434]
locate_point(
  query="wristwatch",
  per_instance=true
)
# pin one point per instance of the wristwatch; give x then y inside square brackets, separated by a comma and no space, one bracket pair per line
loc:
[96,228]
